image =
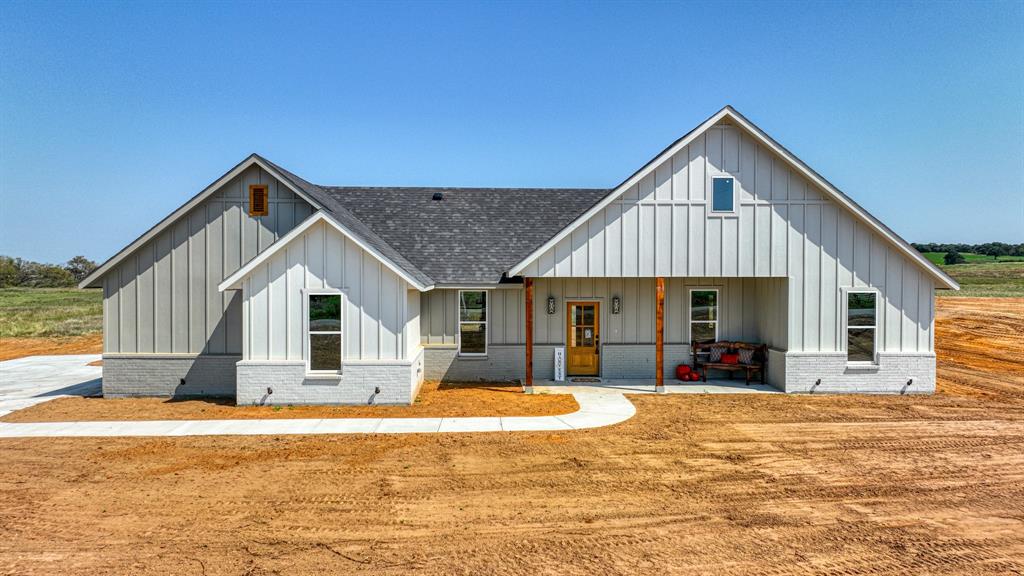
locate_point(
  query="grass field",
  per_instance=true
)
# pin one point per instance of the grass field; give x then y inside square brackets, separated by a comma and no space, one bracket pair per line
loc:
[988,279]
[50,312]
[971,258]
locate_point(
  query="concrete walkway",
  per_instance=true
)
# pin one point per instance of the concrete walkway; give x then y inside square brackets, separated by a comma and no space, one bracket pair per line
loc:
[595,410]
[28,381]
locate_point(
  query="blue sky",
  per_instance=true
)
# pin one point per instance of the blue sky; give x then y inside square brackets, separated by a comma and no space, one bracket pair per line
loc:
[113,114]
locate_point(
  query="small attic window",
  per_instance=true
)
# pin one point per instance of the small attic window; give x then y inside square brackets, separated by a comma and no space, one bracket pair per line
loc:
[258,203]
[723,198]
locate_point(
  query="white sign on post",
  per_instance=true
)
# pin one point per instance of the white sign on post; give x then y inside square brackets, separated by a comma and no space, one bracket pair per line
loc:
[560,364]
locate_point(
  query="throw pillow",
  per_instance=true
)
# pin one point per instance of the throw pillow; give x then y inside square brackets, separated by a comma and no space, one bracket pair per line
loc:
[716,353]
[746,355]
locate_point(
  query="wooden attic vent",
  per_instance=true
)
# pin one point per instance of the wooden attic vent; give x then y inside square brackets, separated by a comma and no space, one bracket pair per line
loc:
[258,203]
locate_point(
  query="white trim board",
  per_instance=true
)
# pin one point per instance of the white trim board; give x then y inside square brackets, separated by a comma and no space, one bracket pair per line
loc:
[728,112]
[233,282]
[253,159]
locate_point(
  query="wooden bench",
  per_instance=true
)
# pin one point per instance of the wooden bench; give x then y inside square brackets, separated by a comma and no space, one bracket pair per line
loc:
[702,354]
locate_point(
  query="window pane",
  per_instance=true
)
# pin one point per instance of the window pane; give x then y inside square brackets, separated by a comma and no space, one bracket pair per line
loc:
[860,345]
[721,200]
[473,306]
[703,305]
[324,312]
[325,351]
[860,309]
[588,315]
[473,338]
[702,331]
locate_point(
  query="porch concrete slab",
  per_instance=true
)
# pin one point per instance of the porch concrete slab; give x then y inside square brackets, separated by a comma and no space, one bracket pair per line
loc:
[619,386]
[536,423]
[408,425]
[471,424]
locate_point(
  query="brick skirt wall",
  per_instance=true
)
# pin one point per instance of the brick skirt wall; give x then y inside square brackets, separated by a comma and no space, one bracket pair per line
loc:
[892,374]
[175,375]
[263,382]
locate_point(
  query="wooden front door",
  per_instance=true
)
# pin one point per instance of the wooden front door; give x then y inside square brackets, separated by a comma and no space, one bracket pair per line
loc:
[583,338]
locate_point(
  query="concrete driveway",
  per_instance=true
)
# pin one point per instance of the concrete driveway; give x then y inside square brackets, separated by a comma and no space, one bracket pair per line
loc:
[35,379]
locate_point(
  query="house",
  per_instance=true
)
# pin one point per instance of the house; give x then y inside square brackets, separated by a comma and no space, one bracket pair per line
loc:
[270,289]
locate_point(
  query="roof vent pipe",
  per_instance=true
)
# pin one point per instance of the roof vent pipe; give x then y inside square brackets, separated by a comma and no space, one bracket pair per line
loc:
[438,196]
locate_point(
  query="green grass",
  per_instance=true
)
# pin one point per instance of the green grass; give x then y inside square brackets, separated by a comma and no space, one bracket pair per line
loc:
[986,279]
[50,312]
[971,258]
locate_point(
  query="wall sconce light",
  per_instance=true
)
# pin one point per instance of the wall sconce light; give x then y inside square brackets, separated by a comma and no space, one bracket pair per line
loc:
[616,304]
[551,304]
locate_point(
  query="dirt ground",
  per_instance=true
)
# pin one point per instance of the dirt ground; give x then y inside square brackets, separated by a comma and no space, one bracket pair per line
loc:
[11,348]
[434,400]
[692,484]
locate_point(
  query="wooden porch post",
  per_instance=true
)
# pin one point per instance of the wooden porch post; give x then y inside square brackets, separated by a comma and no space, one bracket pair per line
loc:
[528,284]
[659,334]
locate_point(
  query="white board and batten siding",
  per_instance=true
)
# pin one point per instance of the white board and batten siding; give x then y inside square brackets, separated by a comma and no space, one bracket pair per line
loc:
[784,227]
[163,298]
[380,311]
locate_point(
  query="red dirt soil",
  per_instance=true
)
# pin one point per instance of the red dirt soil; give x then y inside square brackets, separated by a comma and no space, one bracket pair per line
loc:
[434,400]
[693,484]
[11,348]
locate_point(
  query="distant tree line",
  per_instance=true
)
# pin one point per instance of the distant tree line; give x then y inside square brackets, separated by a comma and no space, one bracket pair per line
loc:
[28,274]
[993,249]
[954,252]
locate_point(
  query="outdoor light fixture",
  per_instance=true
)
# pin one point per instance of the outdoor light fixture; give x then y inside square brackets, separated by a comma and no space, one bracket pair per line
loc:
[551,304]
[616,304]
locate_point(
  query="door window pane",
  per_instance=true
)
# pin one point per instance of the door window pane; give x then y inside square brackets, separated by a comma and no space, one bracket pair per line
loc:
[325,351]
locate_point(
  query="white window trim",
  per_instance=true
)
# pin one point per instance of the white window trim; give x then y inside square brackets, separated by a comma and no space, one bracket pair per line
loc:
[846,326]
[307,352]
[689,310]
[486,322]
[735,195]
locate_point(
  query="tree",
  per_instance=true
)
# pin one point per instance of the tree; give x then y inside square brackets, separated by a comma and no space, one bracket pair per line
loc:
[953,257]
[10,271]
[80,267]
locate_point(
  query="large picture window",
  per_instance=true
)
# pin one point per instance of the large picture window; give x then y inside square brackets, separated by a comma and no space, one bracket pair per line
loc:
[861,326]
[703,315]
[324,329]
[472,322]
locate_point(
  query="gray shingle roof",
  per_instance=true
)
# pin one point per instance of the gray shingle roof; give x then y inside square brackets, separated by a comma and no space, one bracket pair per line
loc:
[358,227]
[473,235]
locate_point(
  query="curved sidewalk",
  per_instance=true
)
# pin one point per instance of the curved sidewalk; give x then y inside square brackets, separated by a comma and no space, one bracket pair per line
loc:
[596,410]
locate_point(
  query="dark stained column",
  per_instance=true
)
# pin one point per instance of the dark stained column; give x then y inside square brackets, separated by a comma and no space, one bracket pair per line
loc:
[659,334]
[528,285]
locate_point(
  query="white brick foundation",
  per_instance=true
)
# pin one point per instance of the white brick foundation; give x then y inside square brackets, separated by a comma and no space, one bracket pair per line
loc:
[890,376]
[361,382]
[177,375]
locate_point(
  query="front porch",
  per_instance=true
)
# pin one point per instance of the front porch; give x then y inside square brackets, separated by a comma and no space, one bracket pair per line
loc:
[631,333]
